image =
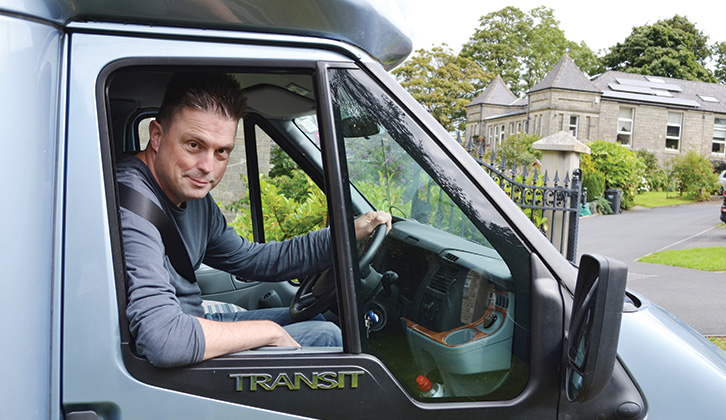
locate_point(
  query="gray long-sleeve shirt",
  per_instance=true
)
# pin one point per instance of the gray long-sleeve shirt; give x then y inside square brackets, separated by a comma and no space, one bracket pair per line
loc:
[162,305]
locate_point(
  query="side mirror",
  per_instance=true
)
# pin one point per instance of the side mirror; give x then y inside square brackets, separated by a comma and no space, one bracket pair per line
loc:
[592,343]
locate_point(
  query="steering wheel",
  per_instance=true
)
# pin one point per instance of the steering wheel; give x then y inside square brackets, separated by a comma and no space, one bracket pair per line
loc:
[317,292]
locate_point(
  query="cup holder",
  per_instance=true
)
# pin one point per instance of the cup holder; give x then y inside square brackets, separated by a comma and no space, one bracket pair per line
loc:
[460,336]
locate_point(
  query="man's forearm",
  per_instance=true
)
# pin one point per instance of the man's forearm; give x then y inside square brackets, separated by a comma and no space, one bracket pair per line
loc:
[228,337]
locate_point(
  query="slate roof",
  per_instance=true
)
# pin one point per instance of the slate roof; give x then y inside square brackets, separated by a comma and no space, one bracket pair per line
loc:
[565,75]
[497,93]
[615,86]
[662,91]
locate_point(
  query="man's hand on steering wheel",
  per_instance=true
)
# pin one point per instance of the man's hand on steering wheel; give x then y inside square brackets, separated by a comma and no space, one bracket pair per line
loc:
[367,223]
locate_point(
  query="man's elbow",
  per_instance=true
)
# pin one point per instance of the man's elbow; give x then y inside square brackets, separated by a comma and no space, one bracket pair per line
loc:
[172,347]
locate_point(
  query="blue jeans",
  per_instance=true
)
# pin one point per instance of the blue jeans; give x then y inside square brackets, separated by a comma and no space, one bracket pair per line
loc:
[316,332]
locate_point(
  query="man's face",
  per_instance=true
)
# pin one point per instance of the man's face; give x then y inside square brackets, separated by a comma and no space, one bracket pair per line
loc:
[192,154]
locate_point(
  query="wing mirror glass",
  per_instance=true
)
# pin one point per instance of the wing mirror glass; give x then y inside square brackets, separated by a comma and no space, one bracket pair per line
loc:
[592,343]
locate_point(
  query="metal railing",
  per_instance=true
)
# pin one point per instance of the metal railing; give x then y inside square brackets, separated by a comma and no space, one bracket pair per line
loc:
[552,205]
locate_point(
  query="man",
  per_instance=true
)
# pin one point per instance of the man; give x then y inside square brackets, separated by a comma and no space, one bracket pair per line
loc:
[189,147]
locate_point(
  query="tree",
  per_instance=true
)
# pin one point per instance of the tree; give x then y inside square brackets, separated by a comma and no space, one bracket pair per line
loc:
[522,47]
[719,58]
[669,48]
[443,83]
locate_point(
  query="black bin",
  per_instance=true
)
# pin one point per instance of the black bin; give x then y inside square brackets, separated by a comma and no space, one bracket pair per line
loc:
[613,197]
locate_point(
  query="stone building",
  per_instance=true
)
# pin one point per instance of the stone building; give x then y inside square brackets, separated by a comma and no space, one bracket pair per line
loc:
[663,115]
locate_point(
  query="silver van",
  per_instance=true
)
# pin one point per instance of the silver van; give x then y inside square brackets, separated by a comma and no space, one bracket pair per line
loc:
[463,291]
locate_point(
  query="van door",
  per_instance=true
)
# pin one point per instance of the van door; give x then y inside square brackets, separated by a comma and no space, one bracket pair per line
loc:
[454,294]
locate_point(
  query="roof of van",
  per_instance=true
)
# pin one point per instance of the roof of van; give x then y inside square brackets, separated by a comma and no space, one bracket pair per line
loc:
[372,25]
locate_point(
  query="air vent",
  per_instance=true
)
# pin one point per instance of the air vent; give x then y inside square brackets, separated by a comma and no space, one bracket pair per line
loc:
[444,278]
[502,301]
[451,257]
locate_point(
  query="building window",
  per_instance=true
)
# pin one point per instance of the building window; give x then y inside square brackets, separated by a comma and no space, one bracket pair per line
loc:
[673,131]
[511,128]
[625,125]
[719,136]
[519,126]
[489,137]
[540,129]
[573,125]
[501,133]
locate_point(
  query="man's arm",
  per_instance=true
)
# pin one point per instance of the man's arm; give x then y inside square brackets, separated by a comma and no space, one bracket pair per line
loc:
[229,337]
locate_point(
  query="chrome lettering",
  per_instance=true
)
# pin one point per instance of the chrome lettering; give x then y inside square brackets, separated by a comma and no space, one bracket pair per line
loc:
[314,380]
[328,379]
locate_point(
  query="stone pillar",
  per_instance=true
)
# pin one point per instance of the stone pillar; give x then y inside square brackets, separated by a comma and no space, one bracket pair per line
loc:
[560,155]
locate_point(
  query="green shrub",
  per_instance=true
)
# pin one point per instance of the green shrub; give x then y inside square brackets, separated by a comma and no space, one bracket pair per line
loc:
[283,217]
[621,167]
[595,184]
[655,176]
[603,205]
[517,150]
[693,175]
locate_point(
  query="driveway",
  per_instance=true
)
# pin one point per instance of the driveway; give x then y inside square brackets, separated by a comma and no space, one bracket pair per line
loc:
[697,297]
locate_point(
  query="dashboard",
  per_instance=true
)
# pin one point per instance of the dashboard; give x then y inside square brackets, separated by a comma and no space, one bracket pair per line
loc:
[455,303]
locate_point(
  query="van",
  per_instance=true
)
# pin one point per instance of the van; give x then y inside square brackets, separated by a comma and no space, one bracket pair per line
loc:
[463,310]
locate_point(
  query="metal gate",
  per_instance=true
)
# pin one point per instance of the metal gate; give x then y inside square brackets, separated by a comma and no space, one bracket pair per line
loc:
[552,205]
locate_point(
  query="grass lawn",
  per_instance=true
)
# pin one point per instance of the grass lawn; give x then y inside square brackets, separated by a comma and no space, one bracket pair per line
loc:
[706,259]
[719,341]
[659,198]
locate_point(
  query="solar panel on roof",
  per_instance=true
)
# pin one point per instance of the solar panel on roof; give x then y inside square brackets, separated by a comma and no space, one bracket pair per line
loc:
[643,83]
[661,92]
[655,79]
[652,99]
[630,88]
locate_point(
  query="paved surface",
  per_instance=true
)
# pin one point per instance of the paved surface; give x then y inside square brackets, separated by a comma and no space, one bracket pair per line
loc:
[697,297]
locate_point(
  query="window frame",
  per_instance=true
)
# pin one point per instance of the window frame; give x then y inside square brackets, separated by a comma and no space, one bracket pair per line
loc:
[671,138]
[574,127]
[721,128]
[619,131]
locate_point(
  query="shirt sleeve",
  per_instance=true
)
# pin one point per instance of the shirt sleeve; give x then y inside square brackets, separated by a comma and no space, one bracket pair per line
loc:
[164,334]
[271,261]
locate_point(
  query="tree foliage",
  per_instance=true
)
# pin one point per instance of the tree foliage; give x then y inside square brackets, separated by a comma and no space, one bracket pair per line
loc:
[522,47]
[669,48]
[719,59]
[443,82]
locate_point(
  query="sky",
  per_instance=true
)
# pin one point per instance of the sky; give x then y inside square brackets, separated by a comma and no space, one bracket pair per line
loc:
[601,24]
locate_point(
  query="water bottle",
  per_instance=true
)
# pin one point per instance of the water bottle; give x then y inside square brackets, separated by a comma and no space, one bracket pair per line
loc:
[428,389]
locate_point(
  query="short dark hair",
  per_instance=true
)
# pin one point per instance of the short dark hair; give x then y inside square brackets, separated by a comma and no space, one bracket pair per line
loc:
[204,91]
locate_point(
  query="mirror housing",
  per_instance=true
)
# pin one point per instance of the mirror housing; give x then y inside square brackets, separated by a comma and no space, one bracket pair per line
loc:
[592,342]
